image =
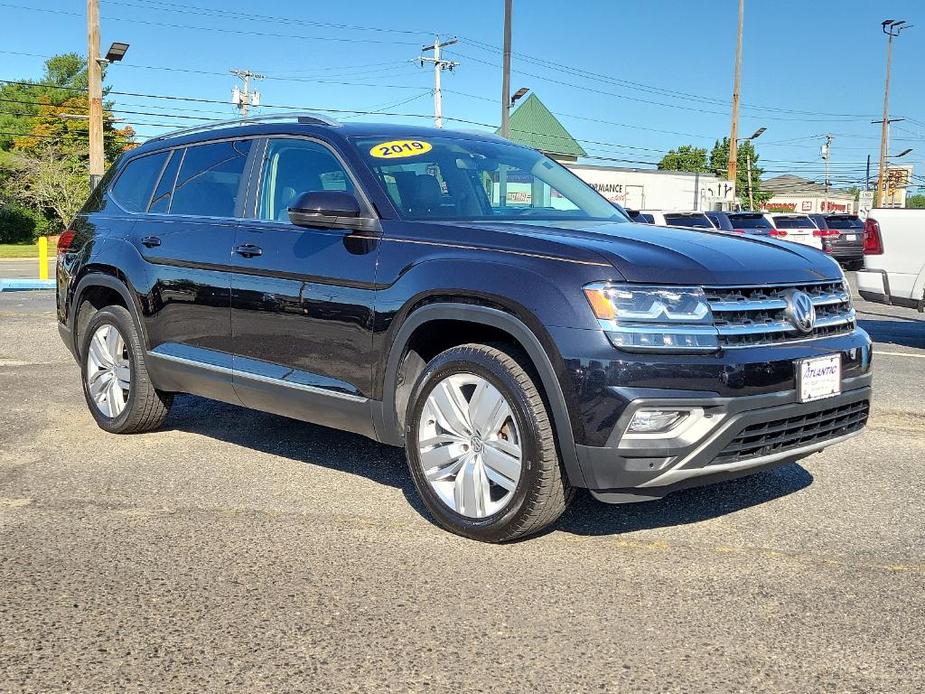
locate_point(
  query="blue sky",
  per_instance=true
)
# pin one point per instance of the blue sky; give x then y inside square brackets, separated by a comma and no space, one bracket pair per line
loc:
[631,78]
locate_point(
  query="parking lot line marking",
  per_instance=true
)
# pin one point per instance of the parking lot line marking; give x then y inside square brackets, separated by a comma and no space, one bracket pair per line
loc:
[900,354]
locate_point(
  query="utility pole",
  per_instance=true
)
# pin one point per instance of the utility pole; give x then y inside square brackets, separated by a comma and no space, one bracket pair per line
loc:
[506,72]
[892,28]
[751,198]
[825,158]
[439,66]
[734,129]
[244,99]
[95,92]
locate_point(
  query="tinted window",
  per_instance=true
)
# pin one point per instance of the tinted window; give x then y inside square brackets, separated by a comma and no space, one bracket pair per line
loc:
[646,218]
[697,221]
[749,221]
[844,223]
[209,179]
[161,200]
[798,222]
[720,220]
[292,167]
[135,184]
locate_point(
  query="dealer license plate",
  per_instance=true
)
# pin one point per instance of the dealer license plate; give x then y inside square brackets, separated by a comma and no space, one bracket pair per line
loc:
[819,377]
[851,237]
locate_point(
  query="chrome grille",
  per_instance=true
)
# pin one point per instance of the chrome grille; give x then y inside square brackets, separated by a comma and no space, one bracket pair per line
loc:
[751,316]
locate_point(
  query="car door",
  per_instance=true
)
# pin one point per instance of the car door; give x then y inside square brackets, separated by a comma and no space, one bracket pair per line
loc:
[302,297]
[186,238]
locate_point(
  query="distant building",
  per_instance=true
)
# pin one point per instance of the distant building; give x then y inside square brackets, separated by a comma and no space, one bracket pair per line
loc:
[534,125]
[653,189]
[795,194]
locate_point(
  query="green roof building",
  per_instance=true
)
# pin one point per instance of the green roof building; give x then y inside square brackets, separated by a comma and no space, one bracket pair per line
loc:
[533,125]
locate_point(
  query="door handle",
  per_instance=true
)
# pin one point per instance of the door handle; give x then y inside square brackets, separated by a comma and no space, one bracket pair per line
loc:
[151,241]
[248,250]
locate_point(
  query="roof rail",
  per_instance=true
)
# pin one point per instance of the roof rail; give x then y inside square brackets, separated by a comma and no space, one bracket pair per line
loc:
[303,118]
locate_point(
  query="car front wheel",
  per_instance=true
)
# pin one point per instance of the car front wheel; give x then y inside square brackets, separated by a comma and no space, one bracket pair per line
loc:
[481,448]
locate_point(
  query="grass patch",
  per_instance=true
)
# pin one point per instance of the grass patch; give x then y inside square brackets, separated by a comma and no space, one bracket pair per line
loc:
[21,250]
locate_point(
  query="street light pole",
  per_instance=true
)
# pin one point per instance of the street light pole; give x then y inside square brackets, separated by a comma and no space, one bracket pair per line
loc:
[734,129]
[95,92]
[892,28]
[506,73]
[748,163]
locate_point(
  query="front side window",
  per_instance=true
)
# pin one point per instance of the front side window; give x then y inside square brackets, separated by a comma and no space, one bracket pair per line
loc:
[292,167]
[209,179]
[135,184]
[466,179]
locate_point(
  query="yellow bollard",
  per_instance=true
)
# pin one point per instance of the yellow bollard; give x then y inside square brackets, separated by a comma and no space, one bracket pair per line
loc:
[43,257]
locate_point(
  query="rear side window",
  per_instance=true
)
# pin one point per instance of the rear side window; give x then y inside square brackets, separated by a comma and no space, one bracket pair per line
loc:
[135,184]
[844,223]
[721,221]
[160,203]
[794,223]
[210,179]
[749,221]
[697,221]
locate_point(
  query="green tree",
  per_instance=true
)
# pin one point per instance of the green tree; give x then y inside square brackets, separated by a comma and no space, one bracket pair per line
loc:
[20,102]
[685,158]
[719,165]
[915,201]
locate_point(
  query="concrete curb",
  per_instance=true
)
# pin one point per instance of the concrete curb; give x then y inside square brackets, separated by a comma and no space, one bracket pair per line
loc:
[19,285]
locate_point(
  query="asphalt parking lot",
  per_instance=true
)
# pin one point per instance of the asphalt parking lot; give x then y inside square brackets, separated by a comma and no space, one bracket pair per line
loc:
[238,551]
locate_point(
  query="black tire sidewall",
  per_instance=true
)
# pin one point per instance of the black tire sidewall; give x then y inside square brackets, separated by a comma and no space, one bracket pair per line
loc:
[119,318]
[460,360]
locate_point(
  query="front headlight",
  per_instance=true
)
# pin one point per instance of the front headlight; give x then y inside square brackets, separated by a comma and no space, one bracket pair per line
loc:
[646,318]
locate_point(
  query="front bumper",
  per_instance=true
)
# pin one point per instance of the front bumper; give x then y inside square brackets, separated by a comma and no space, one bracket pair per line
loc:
[605,387]
[748,433]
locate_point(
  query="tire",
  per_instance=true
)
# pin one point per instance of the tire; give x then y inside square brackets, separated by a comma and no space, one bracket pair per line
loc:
[140,407]
[481,500]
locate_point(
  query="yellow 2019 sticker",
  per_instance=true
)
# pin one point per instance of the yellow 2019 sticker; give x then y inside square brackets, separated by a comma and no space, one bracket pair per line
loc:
[397,149]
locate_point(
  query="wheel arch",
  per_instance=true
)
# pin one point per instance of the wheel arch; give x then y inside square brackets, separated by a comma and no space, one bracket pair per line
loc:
[97,283]
[496,321]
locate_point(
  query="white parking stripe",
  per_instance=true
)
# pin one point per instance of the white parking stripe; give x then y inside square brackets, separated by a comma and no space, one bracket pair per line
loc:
[900,354]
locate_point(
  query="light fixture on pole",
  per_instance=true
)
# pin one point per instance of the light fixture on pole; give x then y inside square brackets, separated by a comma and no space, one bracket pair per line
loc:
[116,52]
[519,94]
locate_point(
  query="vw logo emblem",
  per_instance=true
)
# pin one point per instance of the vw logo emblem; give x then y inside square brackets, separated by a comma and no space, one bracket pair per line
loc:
[801,312]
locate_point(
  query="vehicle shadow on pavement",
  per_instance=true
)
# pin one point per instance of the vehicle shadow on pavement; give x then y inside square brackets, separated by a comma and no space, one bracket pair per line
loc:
[357,455]
[907,332]
[296,440]
[587,516]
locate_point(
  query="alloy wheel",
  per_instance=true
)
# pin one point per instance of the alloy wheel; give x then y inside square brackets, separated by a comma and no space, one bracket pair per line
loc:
[108,371]
[469,445]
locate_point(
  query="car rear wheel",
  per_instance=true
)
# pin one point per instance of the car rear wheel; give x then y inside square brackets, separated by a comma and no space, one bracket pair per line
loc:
[481,448]
[116,384]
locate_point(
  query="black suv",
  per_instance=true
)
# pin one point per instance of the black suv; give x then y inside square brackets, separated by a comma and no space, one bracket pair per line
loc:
[842,238]
[461,296]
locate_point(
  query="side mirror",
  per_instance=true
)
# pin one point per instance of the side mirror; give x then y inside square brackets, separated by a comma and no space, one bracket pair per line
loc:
[329,209]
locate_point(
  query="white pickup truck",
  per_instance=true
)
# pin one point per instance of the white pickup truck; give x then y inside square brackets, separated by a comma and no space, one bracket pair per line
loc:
[894,258]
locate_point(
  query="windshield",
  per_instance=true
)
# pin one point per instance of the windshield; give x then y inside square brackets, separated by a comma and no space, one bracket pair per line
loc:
[462,179]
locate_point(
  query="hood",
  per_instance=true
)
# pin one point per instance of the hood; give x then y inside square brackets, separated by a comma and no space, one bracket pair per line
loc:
[672,255]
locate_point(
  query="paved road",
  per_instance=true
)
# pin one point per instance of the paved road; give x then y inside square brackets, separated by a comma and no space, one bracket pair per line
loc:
[27,268]
[237,551]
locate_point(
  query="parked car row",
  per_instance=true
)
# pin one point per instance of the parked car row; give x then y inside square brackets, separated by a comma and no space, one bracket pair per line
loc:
[839,235]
